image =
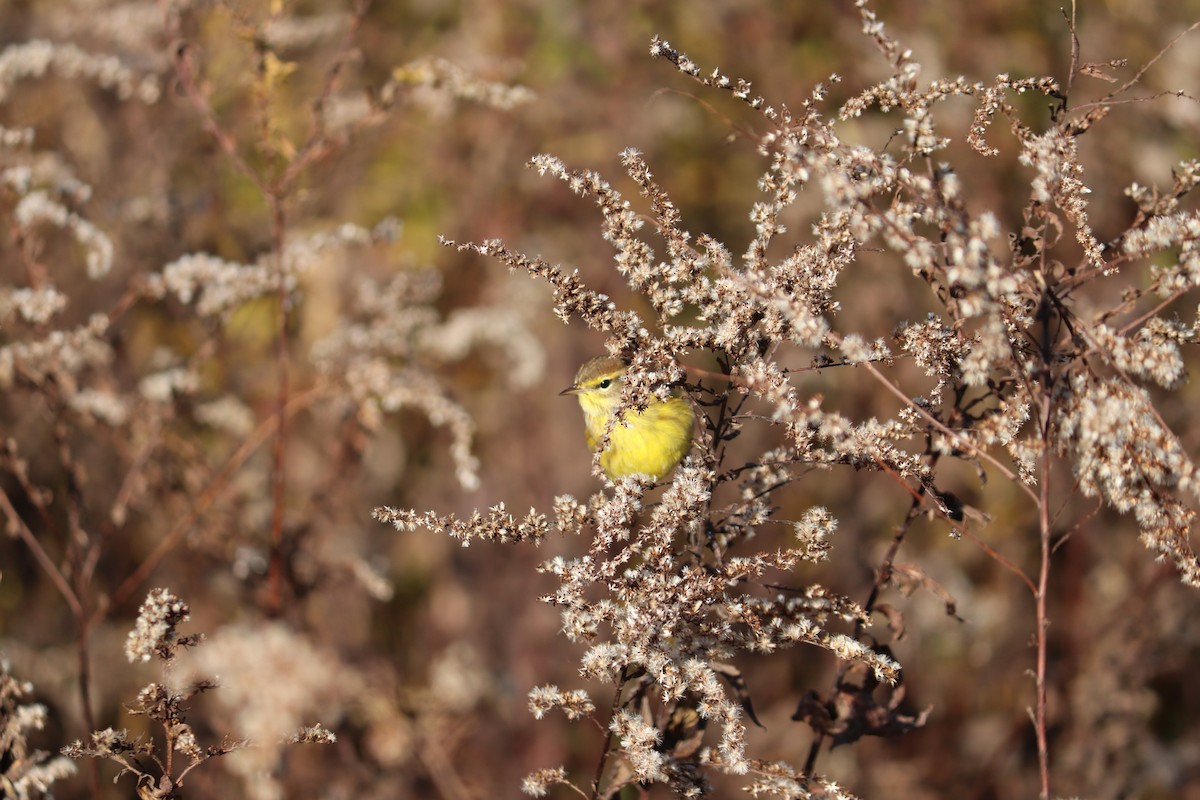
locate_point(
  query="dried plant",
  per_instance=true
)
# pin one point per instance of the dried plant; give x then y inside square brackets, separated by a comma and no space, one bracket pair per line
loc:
[1032,373]
[185,441]
[154,767]
[28,773]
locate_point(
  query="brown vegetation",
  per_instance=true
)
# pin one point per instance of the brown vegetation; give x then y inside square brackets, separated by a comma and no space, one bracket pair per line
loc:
[927,271]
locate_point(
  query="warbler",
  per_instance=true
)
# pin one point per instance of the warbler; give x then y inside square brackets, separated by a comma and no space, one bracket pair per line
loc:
[650,442]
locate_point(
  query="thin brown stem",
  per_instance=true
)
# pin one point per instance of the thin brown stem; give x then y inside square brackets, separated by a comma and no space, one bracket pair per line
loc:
[278,463]
[606,748]
[1074,68]
[17,526]
[882,575]
[1043,622]
[1111,96]
[318,145]
[1136,322]
[1003,561]
[959,441]
[205,499]
[83,656]
[186,74]
[442,768]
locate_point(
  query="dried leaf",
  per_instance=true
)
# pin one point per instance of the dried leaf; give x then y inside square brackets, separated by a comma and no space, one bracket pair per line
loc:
[895,620]
[909,577]
[684,731]
[1094,71]
[1097,70]
[733,677]
[852,712]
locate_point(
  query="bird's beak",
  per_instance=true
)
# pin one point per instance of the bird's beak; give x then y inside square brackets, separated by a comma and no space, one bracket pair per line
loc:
[569,390]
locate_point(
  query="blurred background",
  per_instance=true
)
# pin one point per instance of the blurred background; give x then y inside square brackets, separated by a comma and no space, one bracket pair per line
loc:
[416,651]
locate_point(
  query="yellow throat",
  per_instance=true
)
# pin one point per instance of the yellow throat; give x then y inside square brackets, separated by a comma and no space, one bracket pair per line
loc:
[650,442]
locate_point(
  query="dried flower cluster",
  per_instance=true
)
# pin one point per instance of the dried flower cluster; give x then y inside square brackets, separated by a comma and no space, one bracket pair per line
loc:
[154,633]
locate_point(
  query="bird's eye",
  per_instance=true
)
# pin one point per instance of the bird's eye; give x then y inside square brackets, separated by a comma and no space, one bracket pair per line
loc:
[604,384]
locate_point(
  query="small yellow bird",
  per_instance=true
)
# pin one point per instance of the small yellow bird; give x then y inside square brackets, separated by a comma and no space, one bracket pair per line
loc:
[650,442]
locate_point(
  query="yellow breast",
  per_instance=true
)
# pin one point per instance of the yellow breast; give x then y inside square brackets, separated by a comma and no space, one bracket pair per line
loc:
[651,442]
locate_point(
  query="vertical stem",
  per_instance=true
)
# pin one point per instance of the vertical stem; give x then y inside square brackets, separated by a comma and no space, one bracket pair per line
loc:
[85,673]
[83,652]
[1045,315]
[1043,622]
[17,526]
[275,572]
[79,551]
[607,747]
